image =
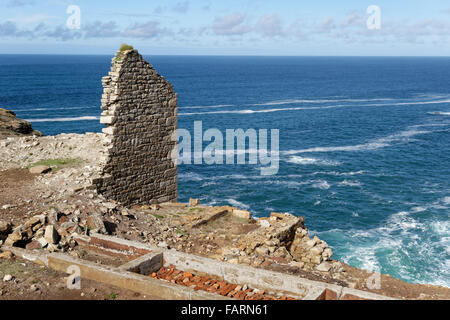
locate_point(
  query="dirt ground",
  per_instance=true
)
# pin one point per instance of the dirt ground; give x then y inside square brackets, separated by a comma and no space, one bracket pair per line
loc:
[33,282]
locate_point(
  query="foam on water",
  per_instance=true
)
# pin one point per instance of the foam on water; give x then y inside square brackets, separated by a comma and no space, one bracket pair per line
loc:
[238,204]
[371,145]
[312,161]
[350,183]
[85,118]
[321,184]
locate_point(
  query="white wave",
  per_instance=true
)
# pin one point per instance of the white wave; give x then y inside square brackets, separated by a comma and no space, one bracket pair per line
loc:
[237,204]
[296,101]
[371,145]
[334,173]
[439,113]
[52,109]
[251,111]
[418,209]
[350,183]
[430,125]
[400,242]
[64,119]
[402,222]
[311,161]
[206,107]
[321,184]
[190,176]
[446,200]
[407,103]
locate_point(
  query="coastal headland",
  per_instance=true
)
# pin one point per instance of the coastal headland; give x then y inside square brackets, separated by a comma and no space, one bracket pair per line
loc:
[63,196]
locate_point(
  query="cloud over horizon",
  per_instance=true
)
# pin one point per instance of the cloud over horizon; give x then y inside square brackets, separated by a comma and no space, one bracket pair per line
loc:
[177,22]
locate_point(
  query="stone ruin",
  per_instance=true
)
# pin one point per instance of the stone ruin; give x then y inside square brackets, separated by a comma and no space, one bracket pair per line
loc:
[140,113]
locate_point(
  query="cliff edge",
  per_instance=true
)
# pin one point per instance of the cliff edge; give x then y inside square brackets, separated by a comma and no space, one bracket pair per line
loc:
[12,126]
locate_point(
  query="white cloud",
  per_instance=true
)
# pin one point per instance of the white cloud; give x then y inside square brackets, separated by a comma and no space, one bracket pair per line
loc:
[146,30]
[270,25]
[233,24]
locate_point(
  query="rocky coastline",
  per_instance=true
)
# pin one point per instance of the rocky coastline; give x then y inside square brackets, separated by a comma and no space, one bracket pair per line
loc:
[48,207]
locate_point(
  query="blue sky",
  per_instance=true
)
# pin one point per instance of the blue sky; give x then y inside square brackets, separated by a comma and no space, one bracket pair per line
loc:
[232,27]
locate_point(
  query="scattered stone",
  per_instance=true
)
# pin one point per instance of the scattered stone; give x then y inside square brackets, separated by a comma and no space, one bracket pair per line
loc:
[193,202]
[162,244]
[40,170]
[95,223]
[6,255]
[5,228]
[51,235]
[33,245]
[13,238]
[42,242]
[7,278]
[8,206]
[324,267]
[264,223]
[34,287]
[155,207]
[241,214]
[262,251]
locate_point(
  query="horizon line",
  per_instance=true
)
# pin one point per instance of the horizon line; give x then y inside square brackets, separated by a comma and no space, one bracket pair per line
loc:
[235,55]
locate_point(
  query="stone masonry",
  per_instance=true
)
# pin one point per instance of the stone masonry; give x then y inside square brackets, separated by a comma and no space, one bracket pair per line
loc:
[140,113]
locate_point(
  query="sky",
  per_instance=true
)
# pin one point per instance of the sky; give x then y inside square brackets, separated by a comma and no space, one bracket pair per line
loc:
[231,27]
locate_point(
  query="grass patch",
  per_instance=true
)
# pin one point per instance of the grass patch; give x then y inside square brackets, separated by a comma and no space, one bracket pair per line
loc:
[239,220]
[13,268]
[113,296]
[125,47]
[181,231]
[195,209]
[157,216]
[56,164]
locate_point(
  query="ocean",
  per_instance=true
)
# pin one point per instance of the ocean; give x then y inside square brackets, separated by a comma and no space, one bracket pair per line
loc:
[364,142]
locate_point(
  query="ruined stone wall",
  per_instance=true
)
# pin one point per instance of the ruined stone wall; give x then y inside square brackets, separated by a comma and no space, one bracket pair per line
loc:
[140,114]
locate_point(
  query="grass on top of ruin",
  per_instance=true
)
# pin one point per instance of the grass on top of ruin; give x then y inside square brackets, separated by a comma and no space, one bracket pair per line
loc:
[57,164]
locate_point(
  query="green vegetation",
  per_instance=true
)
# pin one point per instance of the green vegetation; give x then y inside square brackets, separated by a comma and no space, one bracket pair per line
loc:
[113,296]
[56,164]
[125,47]
[181,231]
[157,216]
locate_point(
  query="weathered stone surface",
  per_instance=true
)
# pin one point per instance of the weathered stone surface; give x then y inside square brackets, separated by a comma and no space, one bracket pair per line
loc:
[244,214]
[51,235]
[40,170]
[33,245]
[5,228]
[140,112]
[12,126]
[193,202]
[324,267]
[13,238]
[6,255]
[96,224]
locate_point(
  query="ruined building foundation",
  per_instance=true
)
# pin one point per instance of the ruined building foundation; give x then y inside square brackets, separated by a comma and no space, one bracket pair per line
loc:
[140,113]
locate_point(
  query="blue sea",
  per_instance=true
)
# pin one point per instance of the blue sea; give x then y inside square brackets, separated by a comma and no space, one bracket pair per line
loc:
[363,154]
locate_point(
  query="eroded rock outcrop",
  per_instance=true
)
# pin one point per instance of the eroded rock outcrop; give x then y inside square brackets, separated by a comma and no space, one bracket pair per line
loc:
[12,126]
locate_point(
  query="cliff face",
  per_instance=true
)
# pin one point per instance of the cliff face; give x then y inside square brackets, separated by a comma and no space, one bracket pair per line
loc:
[12,126]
